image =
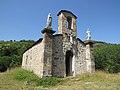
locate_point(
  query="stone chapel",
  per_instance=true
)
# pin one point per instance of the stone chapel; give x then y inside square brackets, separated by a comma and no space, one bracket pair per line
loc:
[62,54]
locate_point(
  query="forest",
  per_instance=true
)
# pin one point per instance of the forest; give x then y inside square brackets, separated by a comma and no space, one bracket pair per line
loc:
[107,56]
[11,53]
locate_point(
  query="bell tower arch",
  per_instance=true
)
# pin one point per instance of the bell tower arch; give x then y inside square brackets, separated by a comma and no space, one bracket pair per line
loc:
[67,23]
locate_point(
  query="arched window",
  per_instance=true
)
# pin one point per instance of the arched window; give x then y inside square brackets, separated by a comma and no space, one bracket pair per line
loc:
[69,22]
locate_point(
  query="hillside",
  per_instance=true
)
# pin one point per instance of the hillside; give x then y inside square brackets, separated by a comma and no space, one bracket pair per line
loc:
[107,56]
[107,59]
[11,53]
[17,79]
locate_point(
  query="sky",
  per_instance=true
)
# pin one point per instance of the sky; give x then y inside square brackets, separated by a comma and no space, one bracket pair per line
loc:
[24,19]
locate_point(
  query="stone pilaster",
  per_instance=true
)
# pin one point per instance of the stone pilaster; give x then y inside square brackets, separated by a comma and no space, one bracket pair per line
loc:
[90,64]
[47,61]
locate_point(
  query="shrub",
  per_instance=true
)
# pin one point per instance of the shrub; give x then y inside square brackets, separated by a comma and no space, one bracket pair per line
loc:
[4,63]
[23,75]
[48,81]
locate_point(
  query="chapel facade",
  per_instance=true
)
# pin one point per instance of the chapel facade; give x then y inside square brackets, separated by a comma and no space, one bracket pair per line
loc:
[62,54]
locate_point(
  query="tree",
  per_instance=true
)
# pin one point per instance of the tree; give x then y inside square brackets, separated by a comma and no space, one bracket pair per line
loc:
[107,58]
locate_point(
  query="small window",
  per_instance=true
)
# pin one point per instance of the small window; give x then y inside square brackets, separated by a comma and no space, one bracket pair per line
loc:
[69,22]
[26,59]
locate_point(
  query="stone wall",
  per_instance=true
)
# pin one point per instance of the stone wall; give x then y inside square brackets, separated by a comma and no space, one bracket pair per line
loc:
[33,59]
[80,62]
[58,64]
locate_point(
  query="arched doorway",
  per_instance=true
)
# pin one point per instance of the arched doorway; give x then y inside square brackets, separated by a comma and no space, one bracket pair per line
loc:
[68,63]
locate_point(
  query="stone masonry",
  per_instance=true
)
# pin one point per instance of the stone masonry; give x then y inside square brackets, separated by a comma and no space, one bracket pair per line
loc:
[62,54]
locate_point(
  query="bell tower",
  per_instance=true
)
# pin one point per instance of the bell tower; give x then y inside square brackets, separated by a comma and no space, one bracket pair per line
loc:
[67,27]
[67,23]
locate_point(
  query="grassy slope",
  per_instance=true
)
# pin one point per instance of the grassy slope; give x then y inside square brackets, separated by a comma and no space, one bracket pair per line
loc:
[8,83]
[96,81]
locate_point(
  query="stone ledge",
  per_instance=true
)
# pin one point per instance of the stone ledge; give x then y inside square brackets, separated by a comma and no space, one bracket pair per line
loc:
[48,30]
[89,42]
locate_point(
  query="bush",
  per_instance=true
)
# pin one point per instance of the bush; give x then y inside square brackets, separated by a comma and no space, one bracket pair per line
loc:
[23,75]
[9,62]
[48,81]
[4,63]
[15,61]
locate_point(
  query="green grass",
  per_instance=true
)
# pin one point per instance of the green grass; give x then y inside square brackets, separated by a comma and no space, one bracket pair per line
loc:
[19,79]
[23,75]
[31,78]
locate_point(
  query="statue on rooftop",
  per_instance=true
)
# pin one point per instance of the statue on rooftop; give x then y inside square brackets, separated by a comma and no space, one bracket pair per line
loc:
[88,34]
[49,21]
